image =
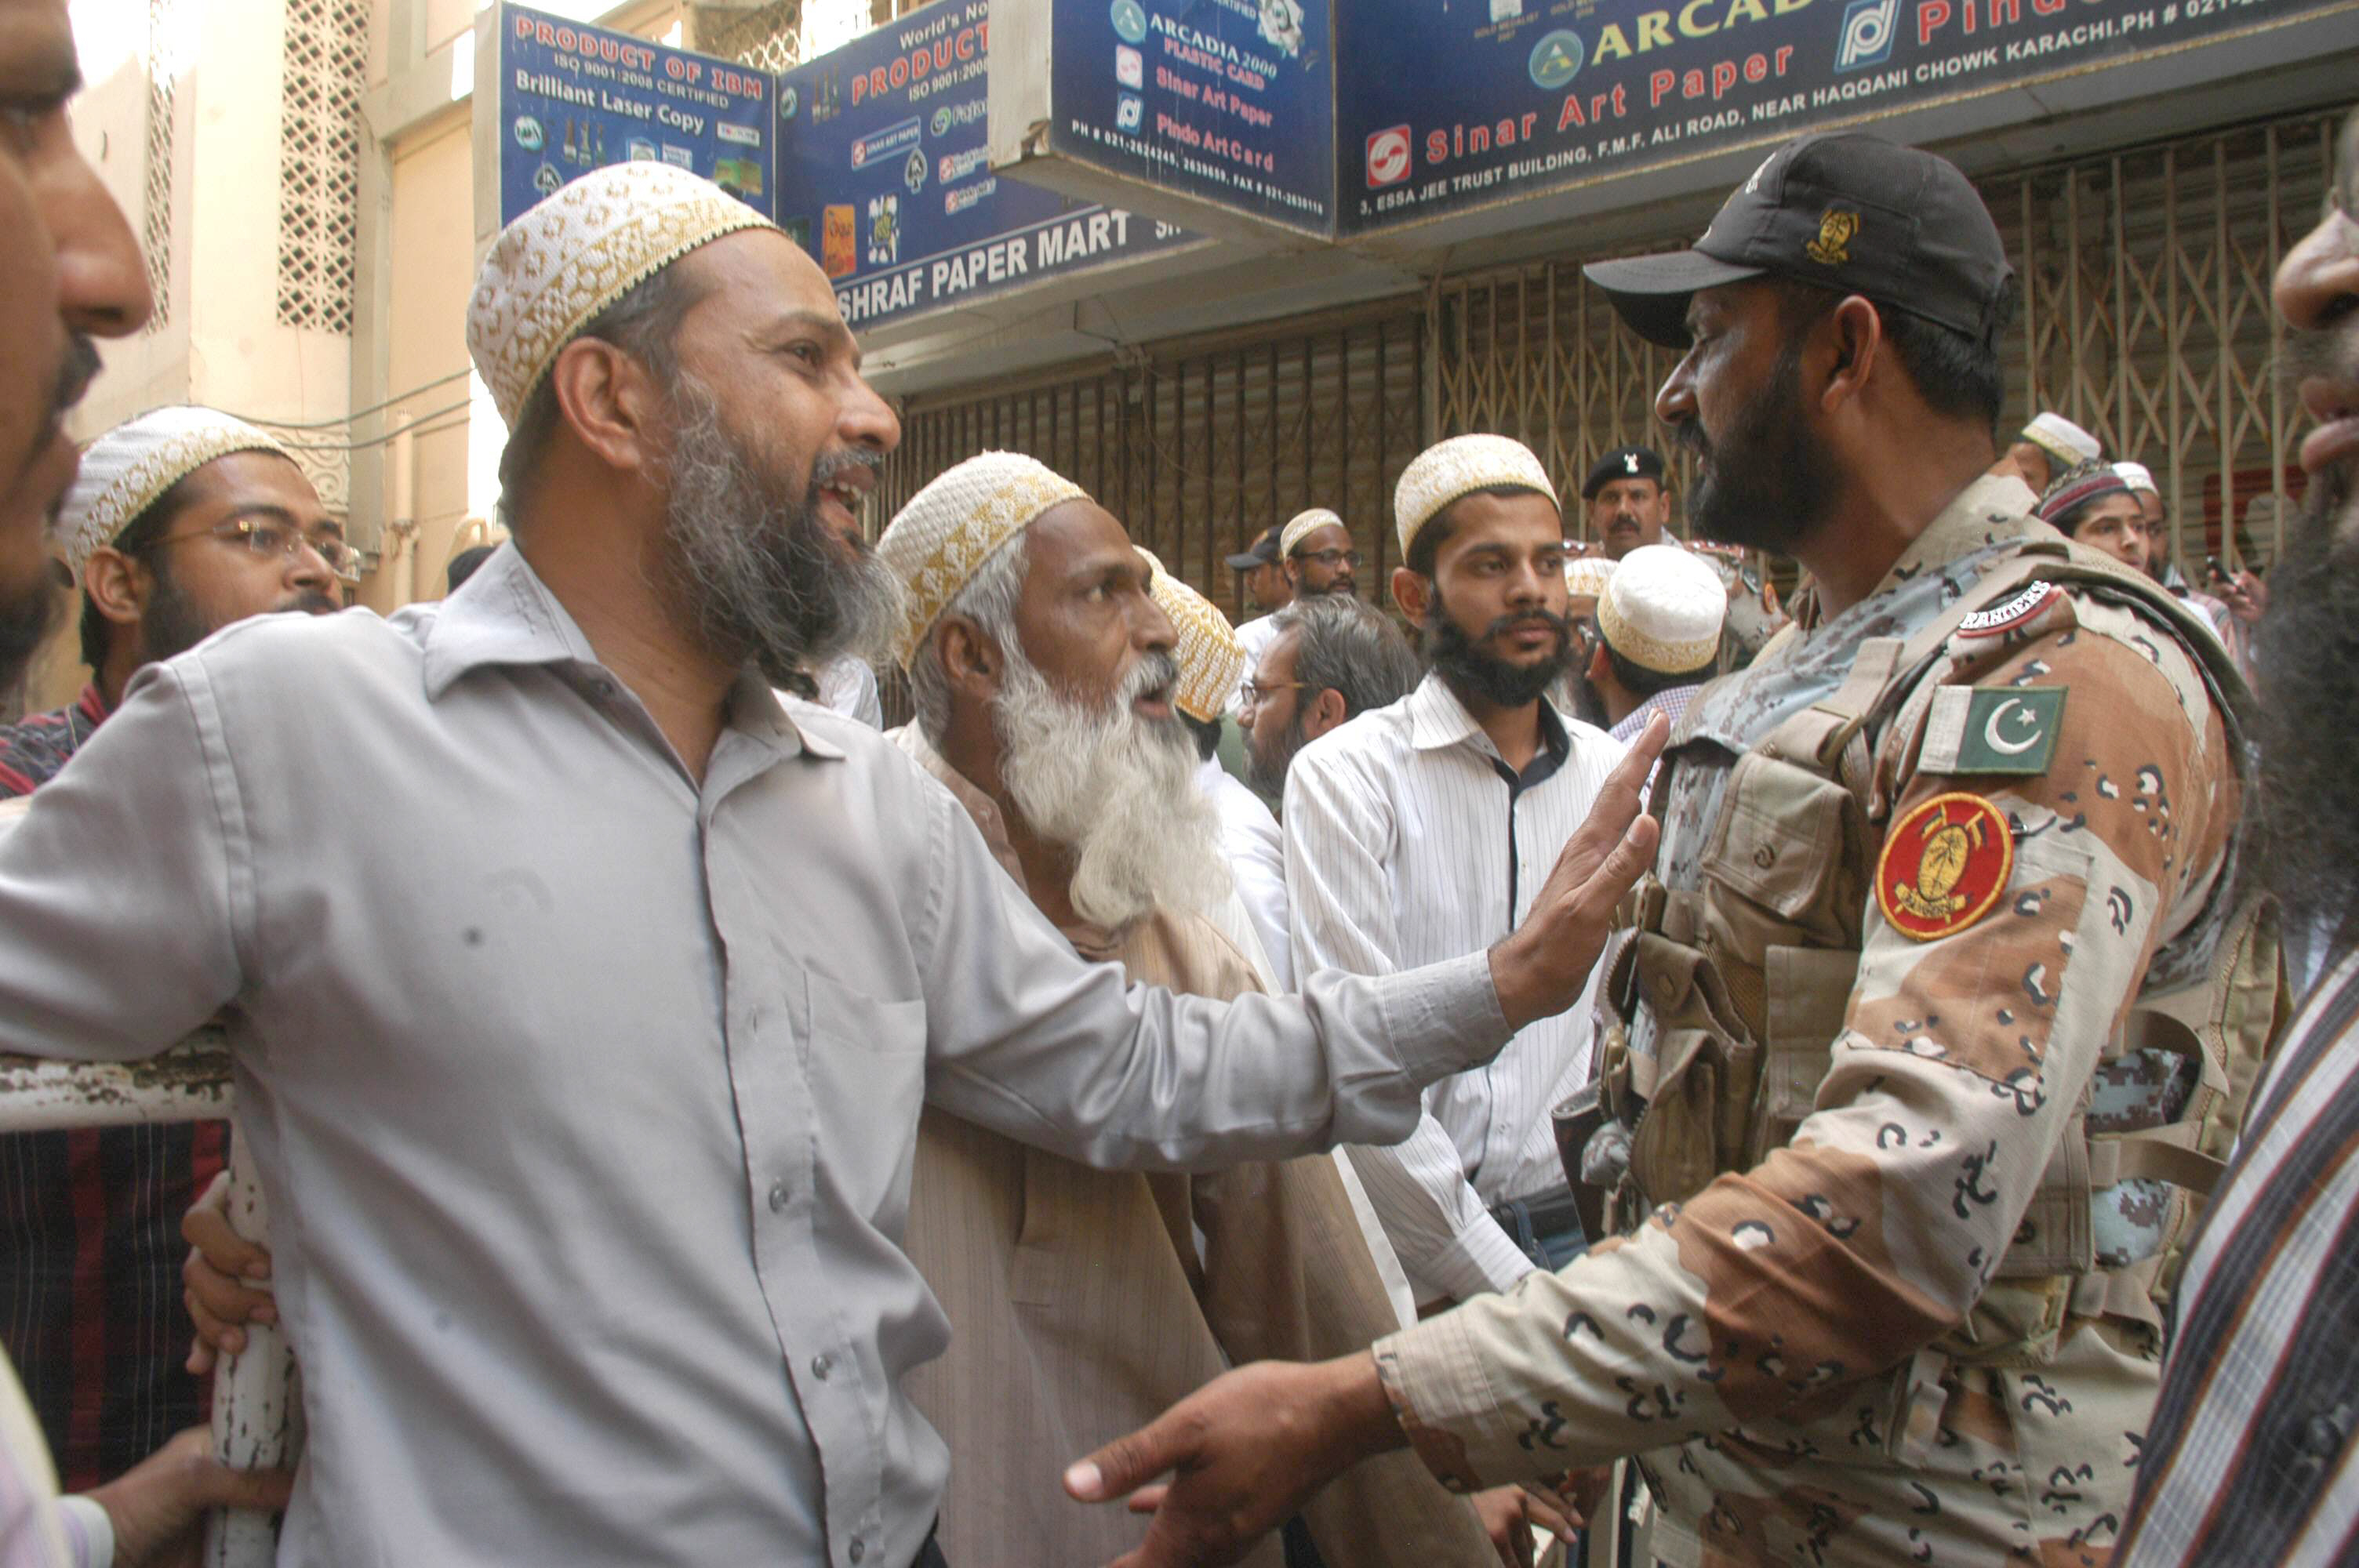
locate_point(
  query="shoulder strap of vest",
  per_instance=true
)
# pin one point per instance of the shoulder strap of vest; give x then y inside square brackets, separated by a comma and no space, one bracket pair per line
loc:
[1887,668]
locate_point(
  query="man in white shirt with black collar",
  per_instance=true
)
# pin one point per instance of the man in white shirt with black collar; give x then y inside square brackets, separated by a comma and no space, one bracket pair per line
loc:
[1425,827]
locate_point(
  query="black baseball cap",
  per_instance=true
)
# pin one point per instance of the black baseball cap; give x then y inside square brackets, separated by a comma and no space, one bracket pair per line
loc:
[1263,553]
[1843,209]
[1623,462]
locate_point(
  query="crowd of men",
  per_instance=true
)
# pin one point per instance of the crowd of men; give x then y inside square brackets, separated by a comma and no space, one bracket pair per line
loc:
[1601,1052]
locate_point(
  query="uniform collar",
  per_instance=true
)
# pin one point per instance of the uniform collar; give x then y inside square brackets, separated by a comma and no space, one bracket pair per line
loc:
[1995,509]
[506,616]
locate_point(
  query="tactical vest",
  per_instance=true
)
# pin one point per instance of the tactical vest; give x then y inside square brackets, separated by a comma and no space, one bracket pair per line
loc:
[1749,978]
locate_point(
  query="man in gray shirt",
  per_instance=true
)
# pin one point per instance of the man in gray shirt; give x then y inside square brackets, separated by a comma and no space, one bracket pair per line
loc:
[585,995]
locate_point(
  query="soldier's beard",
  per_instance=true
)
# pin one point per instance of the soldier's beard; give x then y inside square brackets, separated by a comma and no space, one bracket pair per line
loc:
[1763,482]
[1117,791]
[757,576]
[2305,811]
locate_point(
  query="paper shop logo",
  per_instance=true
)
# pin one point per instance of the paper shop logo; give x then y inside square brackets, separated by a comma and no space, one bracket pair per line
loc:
[1130,67]
[1556,60]
[1388,156]
[1867,36]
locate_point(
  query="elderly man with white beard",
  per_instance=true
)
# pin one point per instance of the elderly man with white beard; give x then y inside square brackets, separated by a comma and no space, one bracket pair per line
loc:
[1044,677]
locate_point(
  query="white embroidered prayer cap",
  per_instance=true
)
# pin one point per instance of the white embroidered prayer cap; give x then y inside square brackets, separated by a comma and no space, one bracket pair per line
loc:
[938,542]
[576,252]
[2061,440]
[2137,477]
[1662,609]
[124,471]
[1458,467]
[1301,525]
[1586,576]
[1212,661]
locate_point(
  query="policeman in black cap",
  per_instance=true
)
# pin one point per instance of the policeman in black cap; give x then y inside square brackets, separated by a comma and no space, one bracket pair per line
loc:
[1628,505]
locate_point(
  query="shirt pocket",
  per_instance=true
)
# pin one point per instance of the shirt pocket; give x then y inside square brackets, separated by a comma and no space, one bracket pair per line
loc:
[868,1083]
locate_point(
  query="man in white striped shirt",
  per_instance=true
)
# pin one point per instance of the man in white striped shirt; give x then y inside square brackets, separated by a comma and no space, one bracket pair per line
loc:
[1425,828]
[2250,1457]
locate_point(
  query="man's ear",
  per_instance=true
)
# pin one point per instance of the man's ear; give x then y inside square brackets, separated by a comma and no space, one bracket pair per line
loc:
[1856,332]
[117,585]
[1323,712]
[1600,665]
[611,404]
[1414,594]
[970,658]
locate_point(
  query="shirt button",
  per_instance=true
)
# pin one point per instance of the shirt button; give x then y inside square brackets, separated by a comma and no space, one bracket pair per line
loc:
[2322,1436]
[778,1197]
[859,1549]
[821,1365]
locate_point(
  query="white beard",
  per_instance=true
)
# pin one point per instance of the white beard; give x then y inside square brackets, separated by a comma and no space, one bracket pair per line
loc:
[1116,790]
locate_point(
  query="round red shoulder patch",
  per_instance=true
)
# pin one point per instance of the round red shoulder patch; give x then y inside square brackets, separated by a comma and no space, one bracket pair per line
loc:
[1943,866]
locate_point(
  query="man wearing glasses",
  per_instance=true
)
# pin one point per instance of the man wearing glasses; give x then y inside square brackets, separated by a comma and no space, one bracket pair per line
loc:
[1318,553]
[182,522]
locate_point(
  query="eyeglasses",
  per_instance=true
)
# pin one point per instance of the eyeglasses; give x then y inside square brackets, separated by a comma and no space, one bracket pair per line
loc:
[275,541]
[1256,693]
[1330,559]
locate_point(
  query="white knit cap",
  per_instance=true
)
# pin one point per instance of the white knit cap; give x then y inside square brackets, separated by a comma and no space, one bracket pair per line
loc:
[1586,576]
[2062,439]
[2137,477]
[1459,467]
[938,542]
[1302,524]
[578,251]
[125,471]
[1662,609]
[1212,661]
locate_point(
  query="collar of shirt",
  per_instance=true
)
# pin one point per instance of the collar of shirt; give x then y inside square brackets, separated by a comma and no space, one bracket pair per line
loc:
[505,616]
[1437,718]
[91,705]
[1993,509]
[1670,702]
[1098,944]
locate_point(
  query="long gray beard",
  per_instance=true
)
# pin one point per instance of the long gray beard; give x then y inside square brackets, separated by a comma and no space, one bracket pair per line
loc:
[757,576]
[1116,790]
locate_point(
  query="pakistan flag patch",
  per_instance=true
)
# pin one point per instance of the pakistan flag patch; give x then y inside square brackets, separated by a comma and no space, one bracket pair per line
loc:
[1993,730]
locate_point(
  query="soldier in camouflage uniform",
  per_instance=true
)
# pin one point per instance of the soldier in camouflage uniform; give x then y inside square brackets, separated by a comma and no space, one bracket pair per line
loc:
[1935,1015]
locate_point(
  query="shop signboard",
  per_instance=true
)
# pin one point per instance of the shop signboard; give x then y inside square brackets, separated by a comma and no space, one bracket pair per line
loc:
[573,97]
[1446,105]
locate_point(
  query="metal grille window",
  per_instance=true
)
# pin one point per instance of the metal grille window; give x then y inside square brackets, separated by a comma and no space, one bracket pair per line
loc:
[769,37]
[319,161]
[1199,444]
[163,65]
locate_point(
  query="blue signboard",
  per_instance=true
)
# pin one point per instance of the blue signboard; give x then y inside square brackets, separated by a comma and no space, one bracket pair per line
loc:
[1229,101]
[574,97]
[884,177]
[1448,104]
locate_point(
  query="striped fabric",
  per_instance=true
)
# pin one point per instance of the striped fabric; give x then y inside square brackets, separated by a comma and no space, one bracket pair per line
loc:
[2249,1459]
[1404,844]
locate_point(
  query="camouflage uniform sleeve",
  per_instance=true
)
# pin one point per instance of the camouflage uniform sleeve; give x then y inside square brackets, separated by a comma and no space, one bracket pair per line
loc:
[1776,1292]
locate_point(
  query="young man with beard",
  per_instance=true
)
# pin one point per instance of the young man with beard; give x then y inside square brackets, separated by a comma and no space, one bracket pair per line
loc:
[572,964]
[1319,555]
[69,272]
[1332,660]
[180,522]
[1044,681]
[2249,1458]
[1939,989]
[1419,829]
